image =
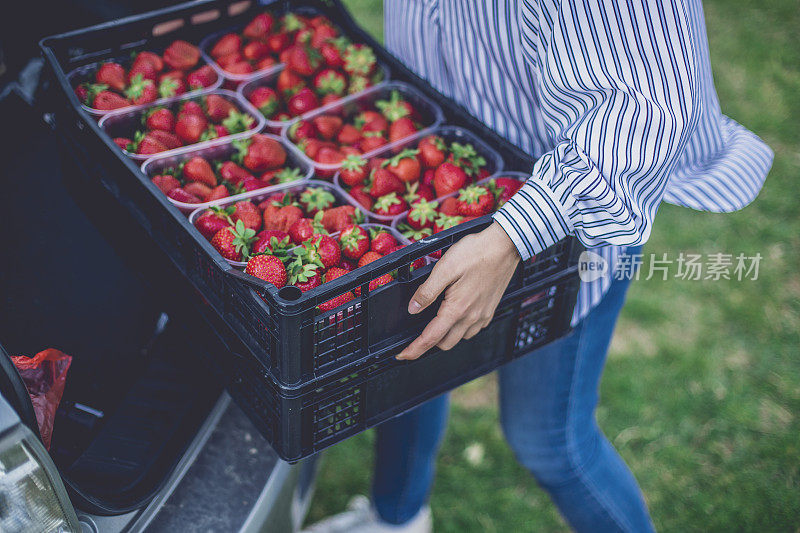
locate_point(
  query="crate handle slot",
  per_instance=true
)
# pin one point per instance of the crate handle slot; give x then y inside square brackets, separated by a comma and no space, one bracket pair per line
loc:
[205,16]
[238,8]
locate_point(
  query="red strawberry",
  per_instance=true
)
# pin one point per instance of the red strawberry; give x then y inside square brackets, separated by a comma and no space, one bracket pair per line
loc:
[405,165]
[422,214]
[475,201]
[449,206]
[395,107]
[190,107]
[359,59]
[233,173]
[368,258]
[198,169]
[123,142]
[145,67]
[335,302]
[113,75]
[504,188]
[106,101]
[190,127]
[448,178]
[348,135]
[213,220]
[165,182]
[204,76]
[358,84]
[355,242]
[418,191]
[260,153]
[170,140]
[302,102]
[302,129]
[255,51]
[260,27]
[389,205]
[150,57]
[427,177]
[401,129]
[330,81]
[266,100]
[171,84]
[277,217]
[289,83]
[322,34]
[278,42]
[380,281]
[230,59]
[271,241]
[354,170]
[218,108]
[327,126]
[181,55]
[233,243]
[179,195]
[217,193]
[363,199]
[148,144]
[236,122]
[160,119]
[382,242]
[332,51]
[304,229]
[465,156]
[341,217]
[324,249]
[372,140]
[201,190]
[285,175]
[267,267]
[266,62]
[301,59]
[432,151]
[315,199]
[252,184]
[305,277]
[82,92]
[384,182]
[371,120]
[412,234]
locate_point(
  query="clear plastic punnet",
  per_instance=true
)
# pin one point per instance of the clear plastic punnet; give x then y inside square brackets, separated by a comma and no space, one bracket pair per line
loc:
[430,116]
[219,150]
[269,79]
[85,73]
[125,122]
[450,134]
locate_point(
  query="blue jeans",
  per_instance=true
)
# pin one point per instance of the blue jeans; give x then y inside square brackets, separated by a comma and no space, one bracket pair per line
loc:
[547,409]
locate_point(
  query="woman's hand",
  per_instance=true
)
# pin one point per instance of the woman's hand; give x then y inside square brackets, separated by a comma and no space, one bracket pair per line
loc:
[474,272]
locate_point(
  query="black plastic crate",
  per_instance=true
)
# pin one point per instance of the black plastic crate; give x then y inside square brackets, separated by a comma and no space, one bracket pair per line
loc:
[300,422]
[286,342]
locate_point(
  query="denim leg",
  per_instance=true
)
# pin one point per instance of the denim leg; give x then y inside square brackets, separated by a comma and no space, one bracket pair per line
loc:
[405,458]
[547,401]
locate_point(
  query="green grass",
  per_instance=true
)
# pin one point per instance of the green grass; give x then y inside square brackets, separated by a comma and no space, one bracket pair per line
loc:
[701,393]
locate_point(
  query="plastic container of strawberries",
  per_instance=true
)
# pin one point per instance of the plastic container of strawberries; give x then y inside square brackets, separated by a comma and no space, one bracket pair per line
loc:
[217,150]
[246,88]
[430,114]
[307,378]
[85,73]
[450,134]
[125,122]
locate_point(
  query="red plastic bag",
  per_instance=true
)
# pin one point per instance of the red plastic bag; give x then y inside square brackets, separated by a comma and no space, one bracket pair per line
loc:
[45,375]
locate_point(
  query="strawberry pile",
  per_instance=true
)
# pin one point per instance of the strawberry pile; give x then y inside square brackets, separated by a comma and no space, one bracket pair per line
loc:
[259,162]
[302,239]
[150,77]
[188,122]
[413,178]
[321,66]
[427,217]
[330,138]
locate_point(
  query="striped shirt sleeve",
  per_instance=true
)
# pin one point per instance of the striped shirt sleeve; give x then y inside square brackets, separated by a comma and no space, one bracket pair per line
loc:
[619,92]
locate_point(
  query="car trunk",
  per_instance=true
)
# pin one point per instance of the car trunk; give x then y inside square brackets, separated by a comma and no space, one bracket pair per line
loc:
[139,386]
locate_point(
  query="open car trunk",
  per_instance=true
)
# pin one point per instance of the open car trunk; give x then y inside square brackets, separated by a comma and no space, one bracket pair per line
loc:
[139,386]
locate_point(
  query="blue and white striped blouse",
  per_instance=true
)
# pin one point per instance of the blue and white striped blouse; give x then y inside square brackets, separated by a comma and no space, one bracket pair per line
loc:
[615,99]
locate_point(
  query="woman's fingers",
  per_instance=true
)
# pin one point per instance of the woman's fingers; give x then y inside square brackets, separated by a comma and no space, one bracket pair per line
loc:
[440,278]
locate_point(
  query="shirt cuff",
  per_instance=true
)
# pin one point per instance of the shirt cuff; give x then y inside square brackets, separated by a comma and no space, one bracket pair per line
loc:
[534,219]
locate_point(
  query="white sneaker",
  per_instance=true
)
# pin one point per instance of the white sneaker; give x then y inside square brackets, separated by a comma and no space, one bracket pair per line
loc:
[362,518]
